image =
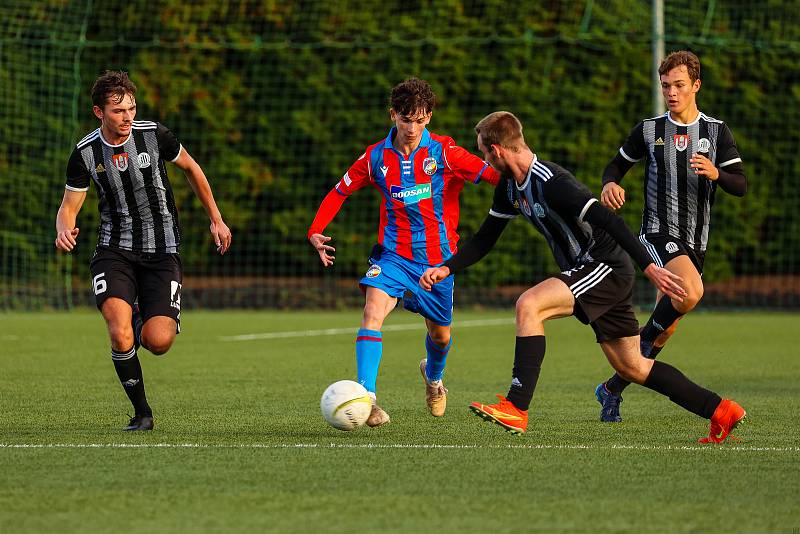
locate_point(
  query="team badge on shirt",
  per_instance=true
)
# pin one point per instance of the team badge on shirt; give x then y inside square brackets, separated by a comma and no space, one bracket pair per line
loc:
[144,160]
[526,208]
[681,141]
[120,161]
[703,145]
[538,210]
[429,166]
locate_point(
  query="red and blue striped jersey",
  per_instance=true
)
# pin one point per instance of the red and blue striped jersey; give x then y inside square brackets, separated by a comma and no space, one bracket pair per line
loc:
[420,193]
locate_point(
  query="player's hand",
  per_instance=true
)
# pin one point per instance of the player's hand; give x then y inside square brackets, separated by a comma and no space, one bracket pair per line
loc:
[612,196]
[432,276]
[703,167]
[318,242]
[667,282]
[67,239]
[222,235]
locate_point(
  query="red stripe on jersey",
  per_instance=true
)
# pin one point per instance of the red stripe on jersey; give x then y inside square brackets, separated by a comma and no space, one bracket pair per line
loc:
[452,207]
[402,224]
[433,246]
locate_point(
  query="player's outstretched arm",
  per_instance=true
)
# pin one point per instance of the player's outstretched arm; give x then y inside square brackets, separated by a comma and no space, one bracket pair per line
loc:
[318,241]
[66,231]
[197,179]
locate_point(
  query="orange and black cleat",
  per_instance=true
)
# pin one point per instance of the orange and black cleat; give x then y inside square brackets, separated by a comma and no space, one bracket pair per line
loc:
[504,413]
[727,416]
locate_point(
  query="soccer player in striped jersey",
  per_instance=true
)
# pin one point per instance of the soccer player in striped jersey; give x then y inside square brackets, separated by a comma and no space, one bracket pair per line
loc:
[687,155]
[136,270]
[589,243]
[419,176]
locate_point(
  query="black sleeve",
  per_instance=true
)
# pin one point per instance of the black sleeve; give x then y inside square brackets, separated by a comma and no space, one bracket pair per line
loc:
[77,173]
[631,151]
[480,244]
[732,180]
[168,145]
[727,151]
[601,217]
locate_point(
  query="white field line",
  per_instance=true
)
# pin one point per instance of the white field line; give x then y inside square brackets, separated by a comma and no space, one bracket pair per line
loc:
[707,448]
[339,331]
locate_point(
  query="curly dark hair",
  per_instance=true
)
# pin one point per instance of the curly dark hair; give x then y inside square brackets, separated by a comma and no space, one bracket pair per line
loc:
[112,83]
[412,95]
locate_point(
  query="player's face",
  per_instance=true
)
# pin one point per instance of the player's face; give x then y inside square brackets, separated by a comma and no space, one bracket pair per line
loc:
[410,128]
[678,90]
[490,157]
[116,118]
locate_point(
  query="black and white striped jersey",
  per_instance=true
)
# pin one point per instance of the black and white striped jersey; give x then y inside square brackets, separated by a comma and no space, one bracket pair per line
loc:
[555,202]
[677,202]
[137,208]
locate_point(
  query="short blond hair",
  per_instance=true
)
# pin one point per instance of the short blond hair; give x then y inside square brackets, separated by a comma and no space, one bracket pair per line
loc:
[501,128]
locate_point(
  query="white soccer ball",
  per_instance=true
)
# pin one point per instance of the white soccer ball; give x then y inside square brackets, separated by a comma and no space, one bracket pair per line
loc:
[346,405]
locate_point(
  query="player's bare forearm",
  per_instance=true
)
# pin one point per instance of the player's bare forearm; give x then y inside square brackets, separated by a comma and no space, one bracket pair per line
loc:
[432,276]
[66,232]
[202,189]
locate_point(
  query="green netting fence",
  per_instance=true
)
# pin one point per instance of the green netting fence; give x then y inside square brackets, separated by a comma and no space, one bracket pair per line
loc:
[276,99]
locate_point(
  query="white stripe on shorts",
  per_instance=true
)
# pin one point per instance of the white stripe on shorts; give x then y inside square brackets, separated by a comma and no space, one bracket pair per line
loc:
[595,277]
[651,249]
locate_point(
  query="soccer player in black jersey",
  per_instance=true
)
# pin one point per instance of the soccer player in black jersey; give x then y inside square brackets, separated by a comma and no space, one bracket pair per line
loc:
[136,270]
[589,243]
[687,155]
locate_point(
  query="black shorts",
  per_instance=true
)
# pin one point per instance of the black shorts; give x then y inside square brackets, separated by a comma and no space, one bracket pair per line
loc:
[155,278]
[662,248]
[603,299]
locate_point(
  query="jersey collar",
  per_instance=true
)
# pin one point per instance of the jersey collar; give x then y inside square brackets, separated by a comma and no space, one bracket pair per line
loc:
[423,142]
[676,123]
[103,139]
[527,176]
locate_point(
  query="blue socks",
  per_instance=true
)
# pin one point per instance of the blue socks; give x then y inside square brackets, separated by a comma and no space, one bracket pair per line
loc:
[437,357]
[369,349]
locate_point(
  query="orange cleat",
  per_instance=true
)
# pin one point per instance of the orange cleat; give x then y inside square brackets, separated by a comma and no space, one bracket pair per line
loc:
[727,416]
[504,413]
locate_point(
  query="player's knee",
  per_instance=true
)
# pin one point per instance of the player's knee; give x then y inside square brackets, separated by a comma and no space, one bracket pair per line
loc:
[526,307]
[689,301]
[440,337]
[157,343]
[633,371]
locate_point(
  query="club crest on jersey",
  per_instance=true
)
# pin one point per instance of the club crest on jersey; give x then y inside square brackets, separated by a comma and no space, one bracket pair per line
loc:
[373,271]
[526,208]
[538,210]
[120,161]
[144,160]
[681,141]
[703,145]
[411,195]
[429,165]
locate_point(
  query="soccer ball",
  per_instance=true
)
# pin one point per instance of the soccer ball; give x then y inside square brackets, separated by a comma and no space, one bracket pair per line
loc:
[346,405]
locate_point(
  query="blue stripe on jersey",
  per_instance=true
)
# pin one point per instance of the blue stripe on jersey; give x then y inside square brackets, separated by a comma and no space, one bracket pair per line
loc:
[390,231]
[415,220]
[436,150]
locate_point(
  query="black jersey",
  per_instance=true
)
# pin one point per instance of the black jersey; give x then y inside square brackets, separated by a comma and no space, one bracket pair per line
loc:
[555,202]
[677,202]
[137,208]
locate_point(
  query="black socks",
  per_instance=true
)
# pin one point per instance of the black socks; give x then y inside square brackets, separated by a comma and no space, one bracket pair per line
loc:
[662,318]
[668,381]
[129,371]
[528,356]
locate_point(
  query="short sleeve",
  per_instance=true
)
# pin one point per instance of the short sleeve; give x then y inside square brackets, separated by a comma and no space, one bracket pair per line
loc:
[727,151]
[356,177]
[77,173]
[568,196]
[468,166]
[634,147]
[502,207]
[168,146]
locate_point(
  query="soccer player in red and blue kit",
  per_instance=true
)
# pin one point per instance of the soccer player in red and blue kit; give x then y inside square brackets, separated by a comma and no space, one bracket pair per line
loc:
[420,176]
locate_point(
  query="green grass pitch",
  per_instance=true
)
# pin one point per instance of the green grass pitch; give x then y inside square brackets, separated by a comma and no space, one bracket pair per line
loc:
[240,443]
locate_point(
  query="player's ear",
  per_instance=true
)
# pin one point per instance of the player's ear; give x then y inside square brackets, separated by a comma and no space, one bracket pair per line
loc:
[696,85]
[97,112]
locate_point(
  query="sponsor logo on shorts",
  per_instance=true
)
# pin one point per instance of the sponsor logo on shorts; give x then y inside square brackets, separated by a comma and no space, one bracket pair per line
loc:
[120,161]
[672,247]
[373,271]
[429,166]
[411,195]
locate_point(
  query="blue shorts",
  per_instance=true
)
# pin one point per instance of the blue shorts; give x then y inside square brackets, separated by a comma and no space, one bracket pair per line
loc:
[395,275]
